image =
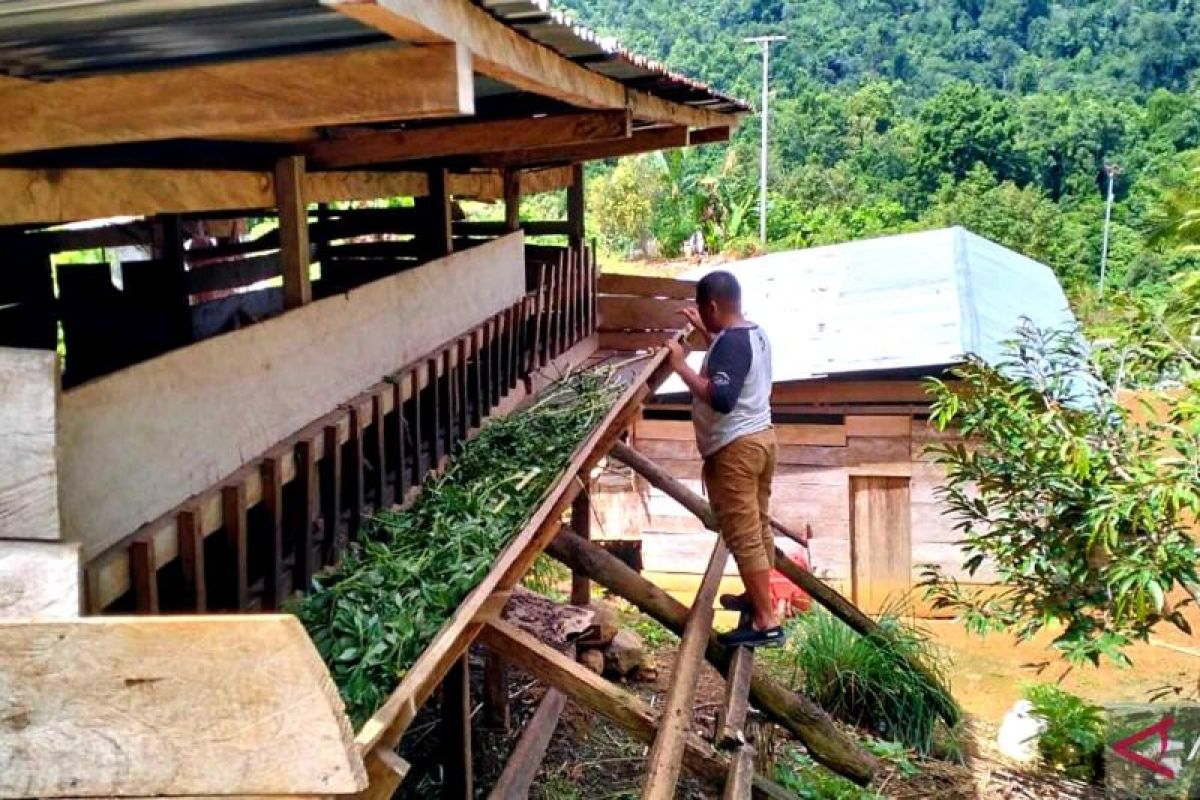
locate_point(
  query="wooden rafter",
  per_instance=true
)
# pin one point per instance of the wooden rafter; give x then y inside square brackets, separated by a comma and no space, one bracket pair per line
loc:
[368,85]
[708,136]
[643,141]
[506,55]
[468,138]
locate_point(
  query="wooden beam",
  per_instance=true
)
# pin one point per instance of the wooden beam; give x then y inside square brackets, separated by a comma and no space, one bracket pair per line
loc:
[675,725]
[526,757]
[732,722]
[353,86]
[468,138]
[643,141]
[293,231]
[29,472]
[708,136]
[581,523]
[512,199]
[646,286]
[171,706]
[508,56]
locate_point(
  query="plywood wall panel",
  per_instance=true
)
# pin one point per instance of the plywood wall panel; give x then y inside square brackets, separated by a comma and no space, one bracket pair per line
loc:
[29,488]
[138,442]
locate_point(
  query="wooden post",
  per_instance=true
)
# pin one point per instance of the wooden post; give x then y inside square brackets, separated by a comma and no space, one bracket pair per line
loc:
[512,200]
[331,496]
[581,523]
[575,204]
[416,424]
[170,251]
[293,231]
[306,479]
[495,692]
[439,231]
[526,758]
[191,556]
[233,515]
[379,484]
[403,476]
[664,763]
[457,769]
[272,498]
[355,469]
[143,568]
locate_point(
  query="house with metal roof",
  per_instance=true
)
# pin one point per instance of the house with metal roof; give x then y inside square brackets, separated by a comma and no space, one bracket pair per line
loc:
[854,329]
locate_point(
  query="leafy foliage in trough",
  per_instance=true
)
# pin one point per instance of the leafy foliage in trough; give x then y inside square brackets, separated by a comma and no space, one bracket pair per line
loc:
[373,615]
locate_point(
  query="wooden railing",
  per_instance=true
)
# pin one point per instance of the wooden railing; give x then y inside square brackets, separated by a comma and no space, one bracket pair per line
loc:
[263,532]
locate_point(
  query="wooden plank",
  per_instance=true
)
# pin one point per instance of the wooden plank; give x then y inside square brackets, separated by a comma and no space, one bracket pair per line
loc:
[352,86]
[40,580]
[29,479]
[455,735]
[468,138]
[508,56]
[581,524]
[675,430]
[708,136]
[877,425]
[646,286]
[643,141]
[805,434]
[665,761]
[171,706]
[476,389]
[331,496]
[239,394]
[640,313]
[403,479]
[829,391]
[527,756]
[308,480]
[354,470]
[379,482]
[739,785]
[633,340]
[732,721]
[293,231]
[233,510]
[881,541]
[272,500]
[191,557]
[417,425]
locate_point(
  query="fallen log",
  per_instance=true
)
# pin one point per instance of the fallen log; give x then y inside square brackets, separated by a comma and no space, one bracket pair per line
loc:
[799,715]
[820,591]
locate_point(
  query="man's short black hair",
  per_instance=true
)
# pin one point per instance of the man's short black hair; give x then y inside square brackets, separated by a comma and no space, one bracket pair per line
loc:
[719,286]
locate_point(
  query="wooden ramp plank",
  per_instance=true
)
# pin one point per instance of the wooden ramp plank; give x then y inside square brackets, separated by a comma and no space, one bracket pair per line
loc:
[665,761]
[526,758]
[731,732]
[205,705]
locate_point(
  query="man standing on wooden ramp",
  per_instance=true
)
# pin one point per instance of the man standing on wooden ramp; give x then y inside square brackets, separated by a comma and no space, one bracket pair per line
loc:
[731,411]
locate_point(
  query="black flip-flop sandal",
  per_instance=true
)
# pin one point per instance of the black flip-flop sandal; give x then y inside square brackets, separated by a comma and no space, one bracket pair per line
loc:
[747,636]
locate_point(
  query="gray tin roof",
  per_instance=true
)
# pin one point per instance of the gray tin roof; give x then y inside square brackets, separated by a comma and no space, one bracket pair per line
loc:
[912,302]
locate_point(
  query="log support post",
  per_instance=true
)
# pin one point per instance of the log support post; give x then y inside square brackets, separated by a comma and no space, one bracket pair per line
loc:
[512,200]
[581,523]
[457,768]
[293,231]
[437,230]
[575,205]
[495,692]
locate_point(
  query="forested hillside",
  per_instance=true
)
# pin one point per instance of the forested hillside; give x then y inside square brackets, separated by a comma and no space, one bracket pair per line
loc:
[891,115]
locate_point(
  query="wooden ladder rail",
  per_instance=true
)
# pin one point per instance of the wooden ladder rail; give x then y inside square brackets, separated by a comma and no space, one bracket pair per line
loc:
[731,725]
[665,760]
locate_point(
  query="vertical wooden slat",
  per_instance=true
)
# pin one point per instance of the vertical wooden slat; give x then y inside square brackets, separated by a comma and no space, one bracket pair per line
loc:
[293,230]
[438,228]
[502,352]
[446,401]
[560,280]
[143,568]
[191,557]
[457,766]
[434,398]
[331,495]
[420,464]
[306,479]
[572,288]
[581,523]
[354,470]
[463,399]
[272,499]
[476,388]
[514,345]
[233,516]
[575,207]
[539,302]
[379,454]
[403,474]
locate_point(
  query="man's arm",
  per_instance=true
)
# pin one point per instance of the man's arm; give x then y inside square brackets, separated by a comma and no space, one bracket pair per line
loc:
[728,364]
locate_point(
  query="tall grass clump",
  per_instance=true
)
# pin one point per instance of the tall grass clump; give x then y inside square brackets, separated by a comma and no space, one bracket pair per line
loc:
[372,616]
[867,681]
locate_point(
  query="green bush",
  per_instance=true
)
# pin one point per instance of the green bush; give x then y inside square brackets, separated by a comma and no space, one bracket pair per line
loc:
[1073,742]
[867,681]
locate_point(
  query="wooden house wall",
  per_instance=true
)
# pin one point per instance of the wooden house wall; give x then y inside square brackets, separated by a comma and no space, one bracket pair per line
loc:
[812,487]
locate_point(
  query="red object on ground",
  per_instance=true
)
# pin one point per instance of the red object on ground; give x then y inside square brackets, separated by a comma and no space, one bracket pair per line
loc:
[787,596]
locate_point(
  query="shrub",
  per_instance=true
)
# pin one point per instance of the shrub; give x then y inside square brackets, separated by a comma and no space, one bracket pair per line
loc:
[867,681]
[1073,742]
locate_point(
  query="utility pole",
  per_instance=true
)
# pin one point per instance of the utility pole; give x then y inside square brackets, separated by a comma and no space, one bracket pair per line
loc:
[765,43]
[1112,170]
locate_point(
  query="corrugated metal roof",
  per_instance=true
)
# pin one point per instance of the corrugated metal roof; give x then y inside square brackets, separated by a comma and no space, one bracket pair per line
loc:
[895,303]
[54,39]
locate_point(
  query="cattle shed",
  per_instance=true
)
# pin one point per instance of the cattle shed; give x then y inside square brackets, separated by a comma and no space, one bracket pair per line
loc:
[855,329]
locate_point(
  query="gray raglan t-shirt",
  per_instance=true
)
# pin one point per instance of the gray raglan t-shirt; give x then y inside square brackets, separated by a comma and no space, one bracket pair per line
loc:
[738,364]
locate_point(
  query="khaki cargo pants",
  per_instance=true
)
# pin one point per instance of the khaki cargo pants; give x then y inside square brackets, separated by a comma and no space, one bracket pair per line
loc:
[738,481]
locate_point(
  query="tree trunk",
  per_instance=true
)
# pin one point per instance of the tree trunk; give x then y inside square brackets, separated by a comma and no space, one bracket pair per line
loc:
[807,721]
[820,591]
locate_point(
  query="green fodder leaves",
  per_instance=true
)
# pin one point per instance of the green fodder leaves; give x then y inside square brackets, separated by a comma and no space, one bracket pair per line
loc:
[867,681]
[373,615]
